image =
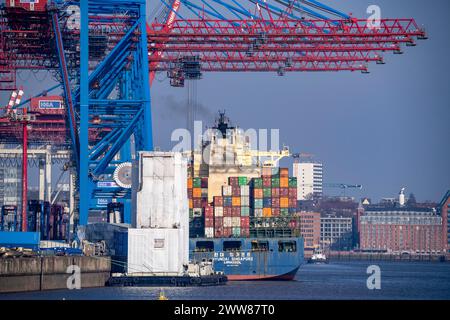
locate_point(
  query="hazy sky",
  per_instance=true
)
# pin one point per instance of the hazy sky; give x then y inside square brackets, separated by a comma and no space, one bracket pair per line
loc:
[384,130]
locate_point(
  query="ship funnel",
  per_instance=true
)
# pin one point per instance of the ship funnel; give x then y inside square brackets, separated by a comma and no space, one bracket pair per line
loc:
[401,197]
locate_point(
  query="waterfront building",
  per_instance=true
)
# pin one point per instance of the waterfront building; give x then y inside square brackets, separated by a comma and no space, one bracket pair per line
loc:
[401,229]
[336,233]
[444,211]
[310,231]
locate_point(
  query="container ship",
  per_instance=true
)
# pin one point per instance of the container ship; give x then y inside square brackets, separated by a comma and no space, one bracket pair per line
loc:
[242,208]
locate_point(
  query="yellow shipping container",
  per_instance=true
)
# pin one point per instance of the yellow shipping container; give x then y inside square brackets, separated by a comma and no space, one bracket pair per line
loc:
[189,183]
[236,201]
[267,212]
[284,202]
[284,182]
[197,192]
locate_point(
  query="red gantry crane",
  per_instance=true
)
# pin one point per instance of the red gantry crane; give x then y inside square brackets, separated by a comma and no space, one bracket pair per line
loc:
[99,50]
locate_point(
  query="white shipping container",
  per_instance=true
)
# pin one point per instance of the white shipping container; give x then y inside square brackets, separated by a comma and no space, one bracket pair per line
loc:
[245,201]
[157,251]
[227,191]
[245,191]
[236,221]
[258,212]
[197,212]
[227,222]
[209,232]
[218,211]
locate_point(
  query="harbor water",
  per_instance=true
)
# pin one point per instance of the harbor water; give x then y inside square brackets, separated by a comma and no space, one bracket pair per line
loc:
[333,281]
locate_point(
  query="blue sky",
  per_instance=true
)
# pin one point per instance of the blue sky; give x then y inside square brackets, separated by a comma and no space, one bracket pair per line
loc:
[383,130]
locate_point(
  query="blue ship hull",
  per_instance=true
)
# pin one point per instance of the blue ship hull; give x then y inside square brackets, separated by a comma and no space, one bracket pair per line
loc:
[246,259]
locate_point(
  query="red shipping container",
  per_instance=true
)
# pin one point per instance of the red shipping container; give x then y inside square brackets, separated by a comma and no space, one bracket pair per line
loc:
[284,192]
[190,193]
[197,202]
[275,202]
[245,232]
[209,222]
[267,182]
[205,202]
[233,181]
[245,222]
[218,222]
[227,211]
[236,211]
[275,192]
[236,191]
[293,193]
[218,201]
[292,202]
[227,232]
[218,233]
[275,212]
[209,211]
[204,183]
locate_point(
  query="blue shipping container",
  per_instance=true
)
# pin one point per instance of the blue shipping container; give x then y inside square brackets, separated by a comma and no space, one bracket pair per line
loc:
[29,240]
[267,202]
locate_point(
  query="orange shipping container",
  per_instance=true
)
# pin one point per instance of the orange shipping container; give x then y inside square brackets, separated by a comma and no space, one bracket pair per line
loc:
[190,183]
[197,192]
[236,201]
[191,204]
[284,202]
[267,212]
[258,193]
[284,172]
[284,182]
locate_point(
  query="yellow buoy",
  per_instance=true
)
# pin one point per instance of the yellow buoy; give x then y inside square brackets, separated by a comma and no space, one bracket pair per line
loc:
[162,296]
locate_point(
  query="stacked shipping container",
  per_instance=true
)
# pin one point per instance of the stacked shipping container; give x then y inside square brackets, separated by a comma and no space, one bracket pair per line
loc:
[232,209]
[198,202]
[274,194]
[198,196]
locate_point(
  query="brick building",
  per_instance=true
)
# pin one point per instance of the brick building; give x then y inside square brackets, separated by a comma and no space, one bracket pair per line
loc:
[310,231]
[401,228]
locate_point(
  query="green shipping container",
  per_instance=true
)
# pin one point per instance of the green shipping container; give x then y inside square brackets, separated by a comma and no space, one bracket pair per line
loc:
[293,182]
[197,182]
[276,182]
[267,192]
[284,212]
[245,211]
[243,181]
[258,203]
[236,232]
[191,213]
[257,183]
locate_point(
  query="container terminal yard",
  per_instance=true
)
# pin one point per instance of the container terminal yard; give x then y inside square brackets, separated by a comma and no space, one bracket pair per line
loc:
[128,215]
